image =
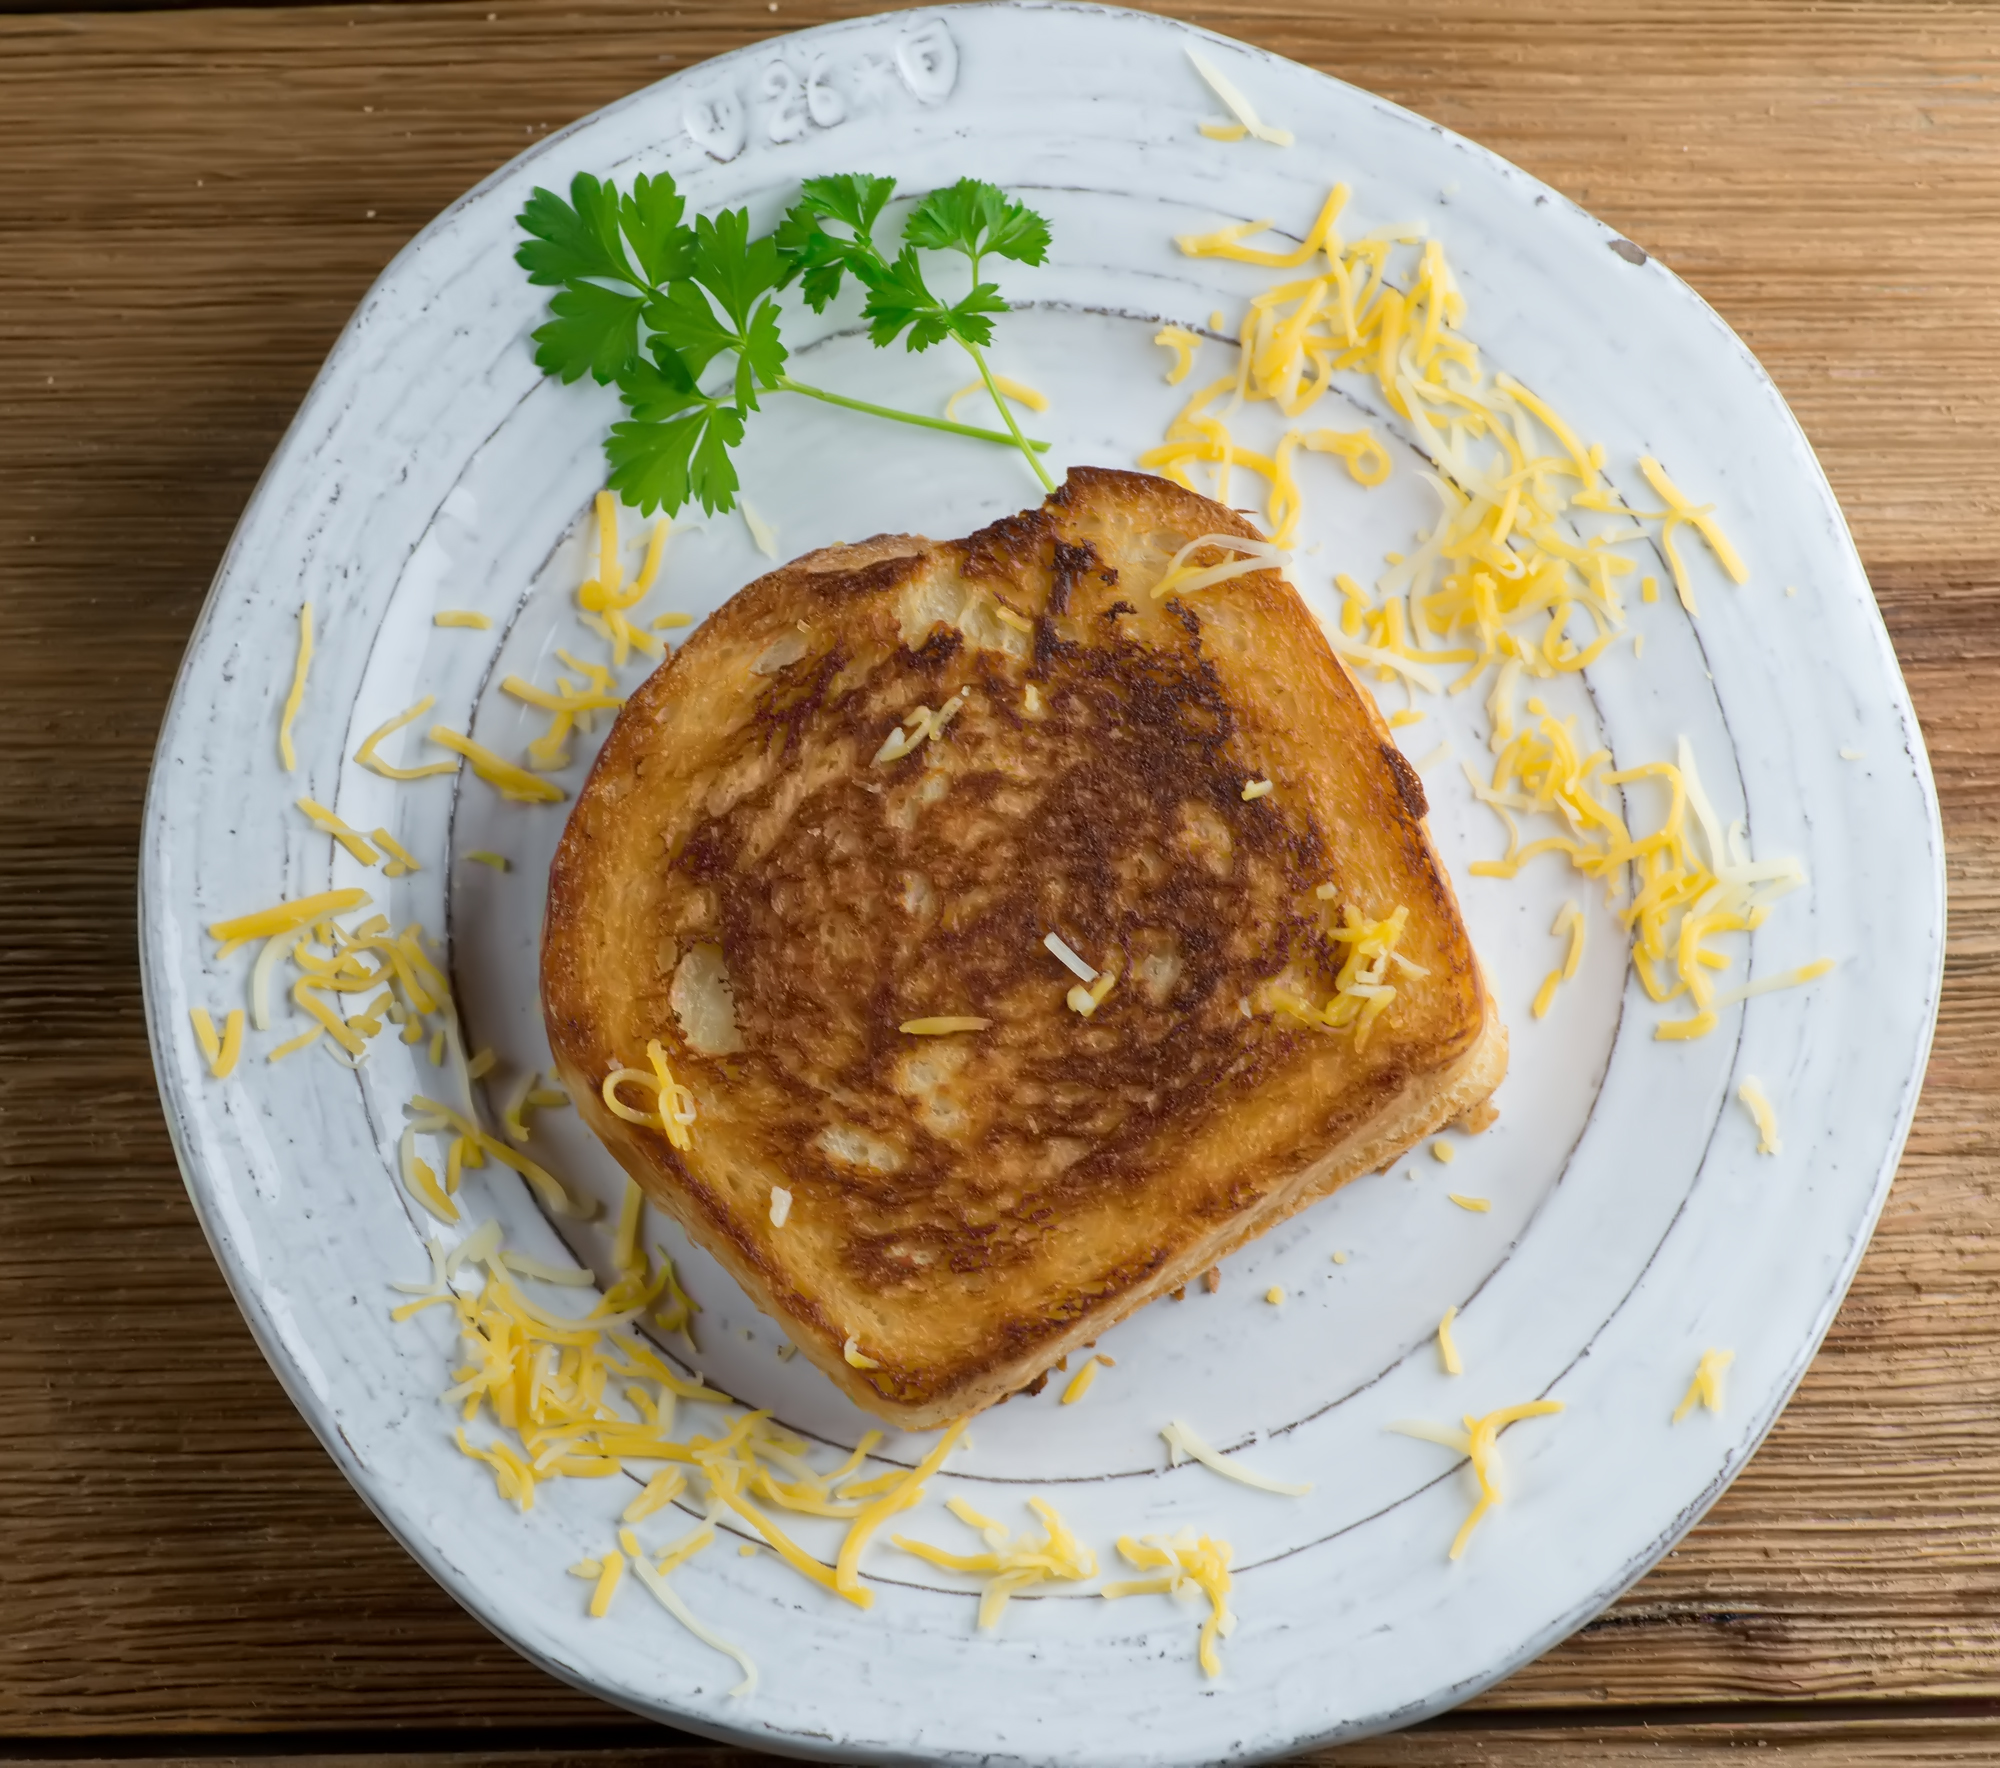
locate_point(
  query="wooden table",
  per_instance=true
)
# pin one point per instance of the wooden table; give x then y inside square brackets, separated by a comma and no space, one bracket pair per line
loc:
[194,200]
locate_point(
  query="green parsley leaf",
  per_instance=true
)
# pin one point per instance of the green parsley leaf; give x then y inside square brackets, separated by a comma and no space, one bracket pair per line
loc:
[662,463]
[575,239]
[733,267]
[651,219]
[594,331]
[818,258]
[688,323]
[980,221]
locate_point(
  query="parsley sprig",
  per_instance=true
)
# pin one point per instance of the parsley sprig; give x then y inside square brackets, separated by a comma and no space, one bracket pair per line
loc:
[656,304]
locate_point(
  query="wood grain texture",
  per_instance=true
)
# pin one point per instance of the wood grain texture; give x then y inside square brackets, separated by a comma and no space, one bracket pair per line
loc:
[195,202]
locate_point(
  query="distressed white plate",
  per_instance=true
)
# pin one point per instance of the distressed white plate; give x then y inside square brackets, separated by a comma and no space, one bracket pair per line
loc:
[1632,1225]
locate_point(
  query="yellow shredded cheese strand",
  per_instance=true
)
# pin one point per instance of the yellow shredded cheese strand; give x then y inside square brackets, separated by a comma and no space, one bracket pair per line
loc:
[612,1568]
[284,917]
[1018,391]
[368,758]
[899,1498]
[466,617]
[1080,1383]
[350,838]
[1010,1564]
[1706,1388]
[296,698]
[1191,1563]
[1448,1345]
[515,784]
[1757,1102]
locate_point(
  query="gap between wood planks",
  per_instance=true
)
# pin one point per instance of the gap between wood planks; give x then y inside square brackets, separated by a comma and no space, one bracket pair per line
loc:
[1834,1734]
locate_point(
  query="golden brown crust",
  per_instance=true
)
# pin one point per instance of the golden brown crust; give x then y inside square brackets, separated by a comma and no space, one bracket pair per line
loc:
[742,871]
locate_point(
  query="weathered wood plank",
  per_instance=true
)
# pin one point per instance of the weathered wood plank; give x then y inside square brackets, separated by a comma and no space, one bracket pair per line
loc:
[187,224]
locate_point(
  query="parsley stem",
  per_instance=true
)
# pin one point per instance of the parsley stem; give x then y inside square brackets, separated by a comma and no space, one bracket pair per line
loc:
[1006,410]
[785,384]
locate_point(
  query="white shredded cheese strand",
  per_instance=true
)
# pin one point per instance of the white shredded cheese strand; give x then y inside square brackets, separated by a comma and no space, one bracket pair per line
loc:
[669,1599]
[1237,105]
[1069,960]
[1184,1443]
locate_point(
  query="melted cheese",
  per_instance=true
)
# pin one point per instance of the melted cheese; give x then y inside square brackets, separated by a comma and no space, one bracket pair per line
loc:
[944,1025]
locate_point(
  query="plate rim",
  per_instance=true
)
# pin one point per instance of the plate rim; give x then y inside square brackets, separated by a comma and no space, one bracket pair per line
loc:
[318,1415]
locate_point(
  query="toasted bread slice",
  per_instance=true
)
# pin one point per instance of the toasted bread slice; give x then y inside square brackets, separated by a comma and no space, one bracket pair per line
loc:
[777,868]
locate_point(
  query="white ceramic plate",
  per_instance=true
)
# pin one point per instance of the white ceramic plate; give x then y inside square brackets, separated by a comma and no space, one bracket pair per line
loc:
[1632,1225]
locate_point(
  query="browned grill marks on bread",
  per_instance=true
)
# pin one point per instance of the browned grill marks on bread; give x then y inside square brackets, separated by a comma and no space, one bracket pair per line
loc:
[973,1206]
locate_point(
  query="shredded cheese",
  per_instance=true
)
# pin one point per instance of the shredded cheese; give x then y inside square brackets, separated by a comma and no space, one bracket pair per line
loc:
[851,1350]
[1569,919]
[1478,1205]
[1195,1566]
[611,1570]
[1183,577]
[398,860]
[1011,1563]
[220,1053]
[1257,789]
[1086,1001]
[515,784]
[1757,1102]
[674,1108]
[1690,879]
[498,861]
[1018,391]
[1479,1442]
[366,755]
[296,698]
[1444,1153]
[1447,1345]
[284,917]
[604,601]
[1184,344]
[1362,992]
[1706,1388]
[465,617]
[901,1496]
[350,838]
[1066,957]
[762,535]
[1184,1443]
[572,704]
[919,726]
[1247,120]
[1275,1295]
[1080,1382]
